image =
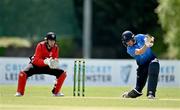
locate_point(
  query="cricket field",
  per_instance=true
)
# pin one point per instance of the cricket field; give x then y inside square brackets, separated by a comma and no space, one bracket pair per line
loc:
[97,98]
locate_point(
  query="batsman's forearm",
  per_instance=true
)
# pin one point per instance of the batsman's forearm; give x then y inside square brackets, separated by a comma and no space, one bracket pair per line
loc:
[141,50]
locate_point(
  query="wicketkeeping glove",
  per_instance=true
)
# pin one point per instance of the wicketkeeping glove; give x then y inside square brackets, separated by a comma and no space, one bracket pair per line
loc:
[52,63]
[47,61]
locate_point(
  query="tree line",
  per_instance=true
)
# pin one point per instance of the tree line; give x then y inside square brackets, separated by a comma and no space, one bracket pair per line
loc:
[33,18]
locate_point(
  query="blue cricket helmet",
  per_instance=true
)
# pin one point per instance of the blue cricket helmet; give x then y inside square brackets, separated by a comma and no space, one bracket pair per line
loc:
[126,37]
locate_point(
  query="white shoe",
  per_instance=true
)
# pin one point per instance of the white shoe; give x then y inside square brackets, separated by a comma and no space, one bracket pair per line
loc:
[125,95]
[18,94]
[151,97]
[58,95]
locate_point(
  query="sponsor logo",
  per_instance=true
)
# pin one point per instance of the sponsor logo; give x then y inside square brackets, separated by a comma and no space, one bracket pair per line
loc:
[125,72]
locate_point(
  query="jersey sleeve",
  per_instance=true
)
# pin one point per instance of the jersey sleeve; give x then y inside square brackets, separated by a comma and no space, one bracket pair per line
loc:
[140,38]
[38,60]
[131,51]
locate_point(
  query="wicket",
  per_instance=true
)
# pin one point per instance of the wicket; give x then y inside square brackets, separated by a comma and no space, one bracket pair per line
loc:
[79,76]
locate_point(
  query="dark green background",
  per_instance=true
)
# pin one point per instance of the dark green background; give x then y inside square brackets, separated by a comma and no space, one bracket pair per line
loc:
[31,19]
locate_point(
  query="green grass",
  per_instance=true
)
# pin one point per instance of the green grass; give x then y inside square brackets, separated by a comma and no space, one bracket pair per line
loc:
[106,98]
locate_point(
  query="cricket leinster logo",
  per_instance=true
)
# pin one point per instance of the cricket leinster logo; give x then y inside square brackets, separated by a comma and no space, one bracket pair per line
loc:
[125,73]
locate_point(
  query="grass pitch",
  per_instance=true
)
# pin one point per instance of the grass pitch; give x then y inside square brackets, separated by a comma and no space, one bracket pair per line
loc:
[97,98]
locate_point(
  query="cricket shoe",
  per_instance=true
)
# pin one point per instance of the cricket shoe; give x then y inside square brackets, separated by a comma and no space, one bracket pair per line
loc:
[18,94]
[58,95]
[151,97]
[132,94]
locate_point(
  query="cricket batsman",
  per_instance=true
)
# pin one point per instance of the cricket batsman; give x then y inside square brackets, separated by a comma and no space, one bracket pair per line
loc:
[139,47]
[44,61]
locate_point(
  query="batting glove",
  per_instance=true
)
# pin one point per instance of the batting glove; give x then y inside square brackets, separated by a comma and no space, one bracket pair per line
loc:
[149,41]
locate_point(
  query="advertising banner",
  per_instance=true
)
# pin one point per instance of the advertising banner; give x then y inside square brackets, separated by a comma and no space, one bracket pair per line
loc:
[99,72]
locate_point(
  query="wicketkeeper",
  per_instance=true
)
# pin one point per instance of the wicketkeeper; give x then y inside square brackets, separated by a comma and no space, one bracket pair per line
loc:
[44,61]
[139,47]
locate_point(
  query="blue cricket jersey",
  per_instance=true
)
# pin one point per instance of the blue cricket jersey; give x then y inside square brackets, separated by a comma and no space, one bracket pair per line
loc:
[147,56]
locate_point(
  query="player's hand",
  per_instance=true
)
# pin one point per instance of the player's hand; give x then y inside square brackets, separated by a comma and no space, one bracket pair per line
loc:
[149,44]
[47,61]
[54,63]
[149,41]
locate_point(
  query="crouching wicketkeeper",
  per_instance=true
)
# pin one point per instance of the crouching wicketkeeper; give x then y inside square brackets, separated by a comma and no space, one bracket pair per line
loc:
[139,47]
[44,61]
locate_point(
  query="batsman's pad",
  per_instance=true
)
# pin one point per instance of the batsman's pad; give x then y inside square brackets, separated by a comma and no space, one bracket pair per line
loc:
[154,66]
[153,73]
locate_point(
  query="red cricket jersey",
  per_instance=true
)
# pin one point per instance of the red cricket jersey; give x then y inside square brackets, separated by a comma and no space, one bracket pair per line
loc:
[42,53]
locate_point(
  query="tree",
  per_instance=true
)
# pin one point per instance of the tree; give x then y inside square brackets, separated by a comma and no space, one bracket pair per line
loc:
[169,16]
[112,17]
[36,17]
